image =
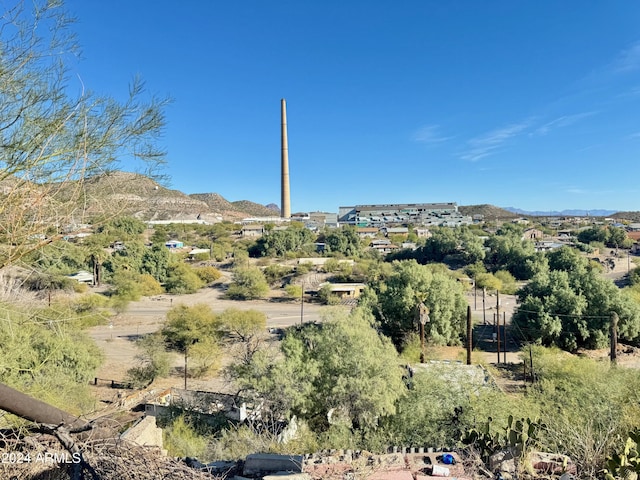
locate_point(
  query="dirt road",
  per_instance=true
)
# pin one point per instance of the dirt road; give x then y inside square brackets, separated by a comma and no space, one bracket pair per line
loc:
[117,340]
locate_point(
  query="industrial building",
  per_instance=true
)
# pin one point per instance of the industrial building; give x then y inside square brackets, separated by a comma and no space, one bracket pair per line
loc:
[428,214]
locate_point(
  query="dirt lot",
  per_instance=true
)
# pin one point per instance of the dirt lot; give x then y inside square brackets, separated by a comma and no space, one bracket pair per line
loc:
[117,340]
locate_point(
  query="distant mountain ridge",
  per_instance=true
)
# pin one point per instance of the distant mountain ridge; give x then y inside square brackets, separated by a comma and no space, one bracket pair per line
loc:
[146,199]
[562,213]
[489,212]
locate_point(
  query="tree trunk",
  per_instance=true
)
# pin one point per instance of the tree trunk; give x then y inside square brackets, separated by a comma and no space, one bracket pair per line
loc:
[29,408]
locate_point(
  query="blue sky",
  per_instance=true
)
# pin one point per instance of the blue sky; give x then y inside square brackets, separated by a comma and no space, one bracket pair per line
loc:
[531,104]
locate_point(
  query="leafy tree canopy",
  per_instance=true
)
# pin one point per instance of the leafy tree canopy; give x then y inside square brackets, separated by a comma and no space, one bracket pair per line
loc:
[248,283]
[340,369]
[570,305]
[400,294]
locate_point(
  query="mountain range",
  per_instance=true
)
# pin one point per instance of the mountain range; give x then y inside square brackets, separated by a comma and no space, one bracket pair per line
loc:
[562,213]
[146,199]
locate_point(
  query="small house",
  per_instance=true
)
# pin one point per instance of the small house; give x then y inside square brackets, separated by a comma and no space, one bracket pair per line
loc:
[173,244]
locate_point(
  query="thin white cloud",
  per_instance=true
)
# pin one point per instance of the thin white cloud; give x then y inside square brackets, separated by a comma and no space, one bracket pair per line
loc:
[430,134]
[489,143]
[627,60]
[577,191]
[561,122]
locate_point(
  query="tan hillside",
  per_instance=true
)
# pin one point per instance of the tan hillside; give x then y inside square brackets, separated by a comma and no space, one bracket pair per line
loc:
[255,209]
[630,216]
[489,212]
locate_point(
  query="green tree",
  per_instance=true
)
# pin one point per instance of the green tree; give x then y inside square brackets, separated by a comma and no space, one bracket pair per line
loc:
[182,279]
[278,243]
[57,144]
[488,281]
[126,286]
[248,283]
[122,226]
[345,241]
[593,234]
[617,238]
[341,368]
[472,247]
[442,242]
[208,274]
[400,294]
[246,328]
[186,325]
[508,282]
[153,361]
[507,251]
[572,307]
[155,261]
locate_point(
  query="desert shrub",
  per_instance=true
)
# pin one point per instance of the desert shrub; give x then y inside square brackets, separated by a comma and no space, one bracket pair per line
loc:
[488,281]
[411,348]
[125,285]
[276,273]
[248,283]
[149,286]
[303,268]
[293,291]
[508,281]
[587,406]
[182,279]
[153,361]
[46,355]
[208,274]
[204,357]
[182,439]
[46,281]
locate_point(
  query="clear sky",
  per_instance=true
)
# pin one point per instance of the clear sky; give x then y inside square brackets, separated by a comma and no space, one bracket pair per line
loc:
[530,104]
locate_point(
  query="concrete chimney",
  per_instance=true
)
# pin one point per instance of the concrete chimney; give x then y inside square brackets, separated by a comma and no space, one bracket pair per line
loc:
[285,205]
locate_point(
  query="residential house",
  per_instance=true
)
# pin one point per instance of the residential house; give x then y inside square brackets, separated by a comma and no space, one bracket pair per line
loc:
[252,230]
[346,290]
[532,234]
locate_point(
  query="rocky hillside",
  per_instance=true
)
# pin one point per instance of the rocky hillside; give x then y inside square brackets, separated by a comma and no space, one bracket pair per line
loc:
[146,199]
[232,210]
[489,212]
[630,216]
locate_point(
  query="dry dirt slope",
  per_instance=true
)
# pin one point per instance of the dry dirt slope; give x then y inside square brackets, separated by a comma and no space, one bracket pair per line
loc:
[147,199]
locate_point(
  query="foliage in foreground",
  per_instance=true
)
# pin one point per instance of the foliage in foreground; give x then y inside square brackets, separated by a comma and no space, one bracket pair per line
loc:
[57,143]
[341,371]
[45,354]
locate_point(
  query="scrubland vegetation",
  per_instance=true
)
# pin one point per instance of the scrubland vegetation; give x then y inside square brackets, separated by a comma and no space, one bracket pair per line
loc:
[345,381]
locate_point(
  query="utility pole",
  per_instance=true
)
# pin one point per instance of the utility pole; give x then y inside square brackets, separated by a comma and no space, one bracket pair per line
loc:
[497,322]
[469,335]
[504,332]
[423,319]
[614,337]
[475,294]
[484,312]
[302,303]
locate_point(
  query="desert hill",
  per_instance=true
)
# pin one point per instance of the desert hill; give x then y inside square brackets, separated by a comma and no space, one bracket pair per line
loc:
[489,212]
[631,216]
[145,198]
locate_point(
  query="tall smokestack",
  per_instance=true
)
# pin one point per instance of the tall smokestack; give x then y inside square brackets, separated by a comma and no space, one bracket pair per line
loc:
[285,205]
